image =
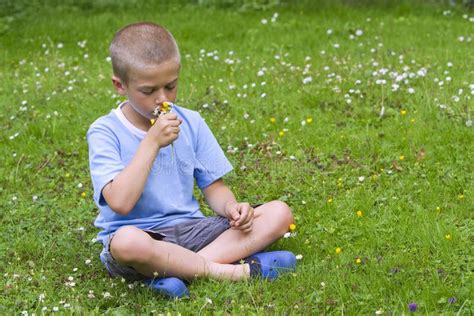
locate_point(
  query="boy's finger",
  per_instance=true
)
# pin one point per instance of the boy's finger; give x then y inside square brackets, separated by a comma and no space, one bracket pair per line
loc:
[249,212]
[246,225]
[170,116]
[244,214]
[234,213]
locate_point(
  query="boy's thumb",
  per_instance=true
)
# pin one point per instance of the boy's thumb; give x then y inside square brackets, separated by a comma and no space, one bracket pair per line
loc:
[235,214]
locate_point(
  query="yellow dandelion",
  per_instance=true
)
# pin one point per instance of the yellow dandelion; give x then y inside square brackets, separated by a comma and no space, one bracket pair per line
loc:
[358,261]
[438,209]
[152,121]
[338,250]
[330,200]
[403,112]
[309,120]
[413,120]
[292,227]
[461,196]
[166,107]
[447,236]
[83,194]
[272,119]
[402,157]
[67,175]
[281,133]
[359,213]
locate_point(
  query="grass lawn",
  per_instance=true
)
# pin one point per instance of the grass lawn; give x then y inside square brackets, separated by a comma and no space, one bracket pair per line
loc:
[359,117]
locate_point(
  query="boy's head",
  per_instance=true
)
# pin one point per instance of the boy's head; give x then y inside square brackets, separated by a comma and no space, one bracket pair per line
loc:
[146,63]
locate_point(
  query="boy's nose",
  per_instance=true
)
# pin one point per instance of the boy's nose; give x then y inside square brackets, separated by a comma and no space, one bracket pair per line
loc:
[160,98]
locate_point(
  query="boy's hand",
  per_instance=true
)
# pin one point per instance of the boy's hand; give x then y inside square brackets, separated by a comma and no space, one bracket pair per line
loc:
[240,216]
[166,129]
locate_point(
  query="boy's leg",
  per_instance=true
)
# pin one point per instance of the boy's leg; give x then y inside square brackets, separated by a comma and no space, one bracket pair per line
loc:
[272,222]
[133,247]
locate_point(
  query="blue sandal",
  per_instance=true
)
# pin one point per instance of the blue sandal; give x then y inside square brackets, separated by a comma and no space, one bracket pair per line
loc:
[269,265]
[170,287]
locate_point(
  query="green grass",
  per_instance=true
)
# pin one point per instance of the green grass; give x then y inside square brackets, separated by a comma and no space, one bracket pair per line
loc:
[409,206]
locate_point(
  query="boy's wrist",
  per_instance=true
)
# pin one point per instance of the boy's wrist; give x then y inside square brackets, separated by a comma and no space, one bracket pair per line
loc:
[151,142]
[228,206]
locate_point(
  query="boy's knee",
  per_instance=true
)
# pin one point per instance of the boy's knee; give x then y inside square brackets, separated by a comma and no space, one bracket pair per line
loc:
[283,212]
[129,245]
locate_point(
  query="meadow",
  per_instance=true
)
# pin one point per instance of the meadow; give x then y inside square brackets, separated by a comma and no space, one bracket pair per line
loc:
[357,116]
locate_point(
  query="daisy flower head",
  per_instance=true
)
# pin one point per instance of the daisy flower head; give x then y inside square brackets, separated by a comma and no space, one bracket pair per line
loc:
[162,109]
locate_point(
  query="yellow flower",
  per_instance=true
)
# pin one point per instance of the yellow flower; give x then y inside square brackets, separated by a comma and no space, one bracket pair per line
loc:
[166,107]
[447,236]
[402,157]
[292,227]
[413,120]
[309,120]
[330,200]
[281,133]
[358,261]
[338,250]
[438,209]
[152,121]
[461,196]
[83,194]
[403,112]
[272,119]
[67,175]
[359,213]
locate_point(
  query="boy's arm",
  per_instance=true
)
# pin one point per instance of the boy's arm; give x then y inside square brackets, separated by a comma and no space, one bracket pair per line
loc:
[222,201]
[123,192]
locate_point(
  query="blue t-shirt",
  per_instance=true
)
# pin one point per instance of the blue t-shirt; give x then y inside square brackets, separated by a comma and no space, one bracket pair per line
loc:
[167,197]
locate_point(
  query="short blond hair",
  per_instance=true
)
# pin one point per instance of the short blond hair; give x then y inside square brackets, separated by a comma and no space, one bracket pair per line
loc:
[139,45]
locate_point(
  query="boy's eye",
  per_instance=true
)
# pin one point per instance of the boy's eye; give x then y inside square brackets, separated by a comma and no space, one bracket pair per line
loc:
[170,87]
[147,92]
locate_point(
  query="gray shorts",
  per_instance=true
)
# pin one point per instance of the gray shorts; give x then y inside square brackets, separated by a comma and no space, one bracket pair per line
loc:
[193,234]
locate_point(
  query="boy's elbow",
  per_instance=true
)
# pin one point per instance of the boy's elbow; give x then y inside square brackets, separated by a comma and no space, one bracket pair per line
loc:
[117,203]
[120,208]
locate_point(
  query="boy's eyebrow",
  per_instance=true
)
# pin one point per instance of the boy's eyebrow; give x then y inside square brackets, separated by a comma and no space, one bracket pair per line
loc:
[152,87]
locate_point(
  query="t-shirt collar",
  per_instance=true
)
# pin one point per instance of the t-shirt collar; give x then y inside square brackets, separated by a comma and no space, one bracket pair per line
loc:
[132,128]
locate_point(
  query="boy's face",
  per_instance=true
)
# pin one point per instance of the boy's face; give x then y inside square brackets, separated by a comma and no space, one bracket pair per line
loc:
[151,86]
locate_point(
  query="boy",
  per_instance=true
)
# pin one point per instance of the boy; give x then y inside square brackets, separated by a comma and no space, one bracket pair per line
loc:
[143,175]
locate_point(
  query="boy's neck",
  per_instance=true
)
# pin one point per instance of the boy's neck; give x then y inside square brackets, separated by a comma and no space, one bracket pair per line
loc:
[136,119]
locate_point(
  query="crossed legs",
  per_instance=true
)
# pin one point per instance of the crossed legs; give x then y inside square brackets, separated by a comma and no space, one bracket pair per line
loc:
[133,247]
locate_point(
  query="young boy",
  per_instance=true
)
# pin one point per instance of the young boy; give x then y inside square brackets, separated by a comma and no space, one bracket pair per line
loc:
[143,176]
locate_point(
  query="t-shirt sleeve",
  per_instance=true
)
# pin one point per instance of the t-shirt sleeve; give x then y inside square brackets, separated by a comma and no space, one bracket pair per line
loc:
[211,162]
[104,159]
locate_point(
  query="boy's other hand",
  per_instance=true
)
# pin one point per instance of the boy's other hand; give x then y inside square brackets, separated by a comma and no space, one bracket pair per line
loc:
[166,129]
[240,216]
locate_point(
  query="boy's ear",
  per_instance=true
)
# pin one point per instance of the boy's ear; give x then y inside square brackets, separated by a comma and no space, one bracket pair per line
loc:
[118,85]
